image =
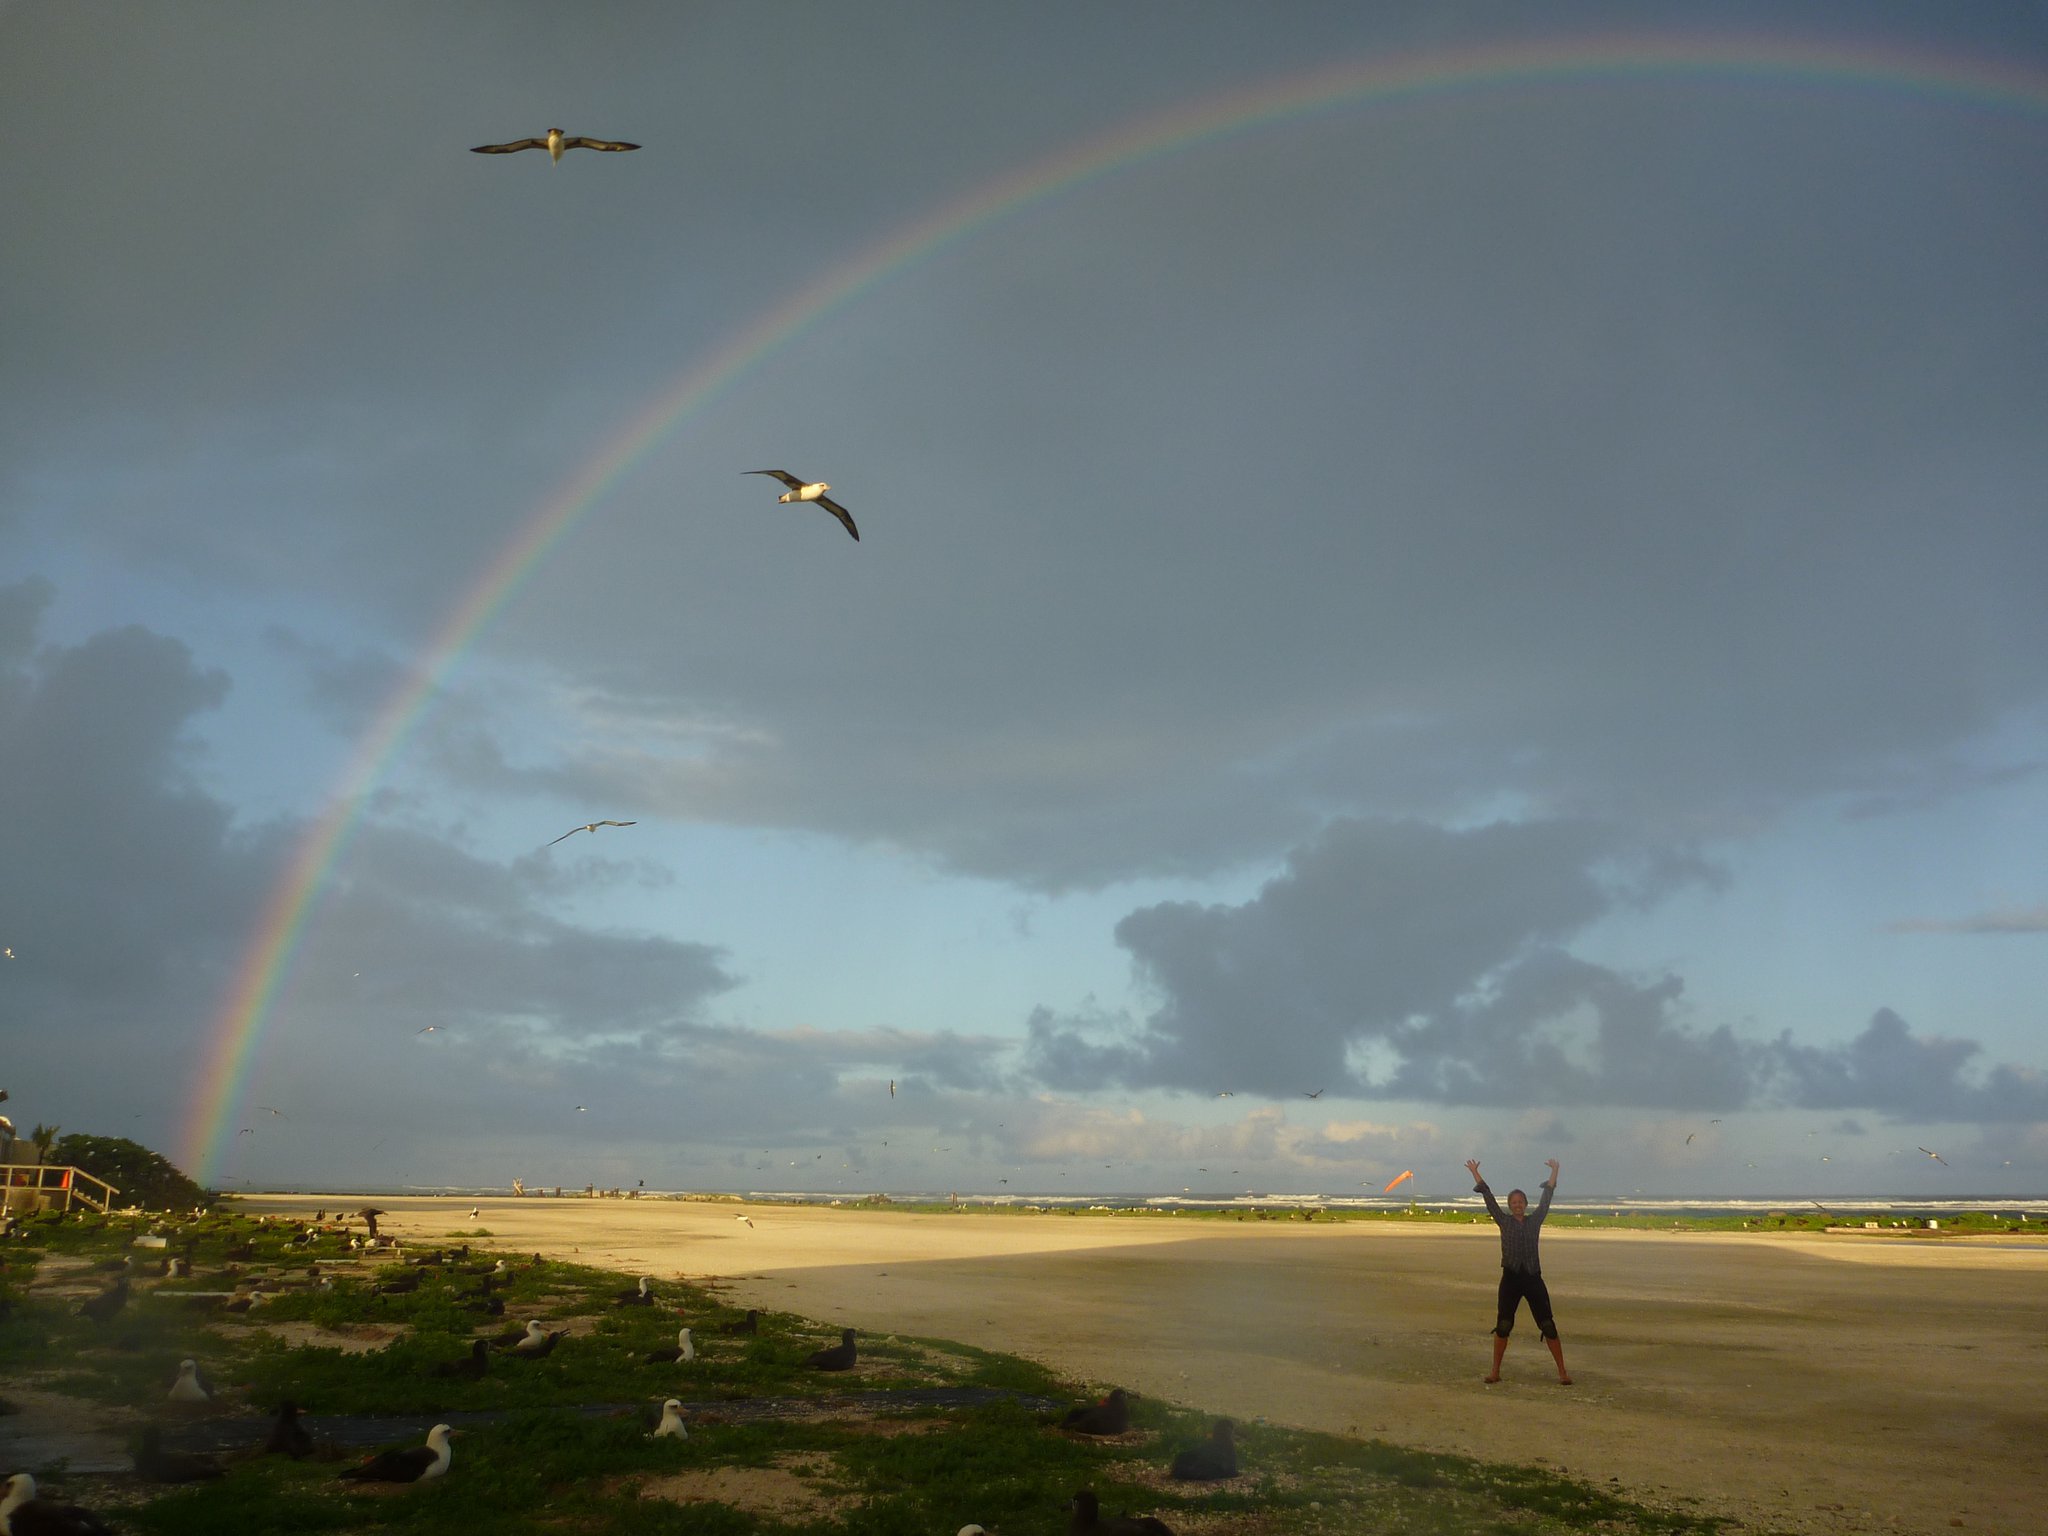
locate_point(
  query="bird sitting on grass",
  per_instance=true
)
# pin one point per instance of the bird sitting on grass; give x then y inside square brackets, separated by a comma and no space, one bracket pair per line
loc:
[1111,1416]
[288,1437]
[23,1514]
[414,1464]
[191,1385]
[643,1297]
[750,1324]
[154,1464]
[685,1350]
[538,1342]
[101,1308]
[1210,1461]
[671,1426]
[839,1357]
[1084,1518]
[471,1367]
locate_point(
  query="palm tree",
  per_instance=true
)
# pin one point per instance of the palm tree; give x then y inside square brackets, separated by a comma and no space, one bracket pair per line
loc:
[44,1137]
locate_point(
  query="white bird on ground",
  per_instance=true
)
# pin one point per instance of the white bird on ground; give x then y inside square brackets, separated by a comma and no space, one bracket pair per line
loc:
[671,1425]
[23,1514]
[190,1387]
[555,142]
[810,490]
[415,1464]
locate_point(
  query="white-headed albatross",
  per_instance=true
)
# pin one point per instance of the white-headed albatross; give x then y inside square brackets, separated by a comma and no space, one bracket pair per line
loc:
[555,142]
[810,490]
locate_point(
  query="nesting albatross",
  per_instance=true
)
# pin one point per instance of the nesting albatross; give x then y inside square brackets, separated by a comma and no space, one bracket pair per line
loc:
[414,1464]
[23,1514]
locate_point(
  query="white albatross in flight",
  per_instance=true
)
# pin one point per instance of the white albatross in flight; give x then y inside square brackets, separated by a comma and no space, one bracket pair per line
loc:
[555,142]
[810,490]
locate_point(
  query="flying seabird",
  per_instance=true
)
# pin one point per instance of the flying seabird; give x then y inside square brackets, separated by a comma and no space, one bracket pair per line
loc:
[591,826]
[671,1425]
[154,1464]
[892,1087]
[1216,1458]
[414,1464]
[430,1029]
[23,1514]
[810,490]
[839,1357]
[1111,1416]
[683,1351]
[747,1219]
[191,1386]
[1936,1156]
[555,142]
[1084,1517]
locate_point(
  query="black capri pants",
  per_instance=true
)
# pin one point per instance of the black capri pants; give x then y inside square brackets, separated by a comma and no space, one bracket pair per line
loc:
[1515,1286]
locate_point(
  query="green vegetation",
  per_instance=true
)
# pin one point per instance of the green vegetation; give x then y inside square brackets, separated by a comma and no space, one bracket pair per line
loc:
[361,1348]
[144,1178]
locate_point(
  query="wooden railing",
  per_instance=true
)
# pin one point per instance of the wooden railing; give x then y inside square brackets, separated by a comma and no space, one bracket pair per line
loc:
[41,1186]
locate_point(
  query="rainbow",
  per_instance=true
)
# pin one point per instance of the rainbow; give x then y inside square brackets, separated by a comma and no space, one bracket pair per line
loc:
[238,1028]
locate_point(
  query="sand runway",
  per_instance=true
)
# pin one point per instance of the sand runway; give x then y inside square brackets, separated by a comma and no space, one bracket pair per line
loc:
[1794,1383]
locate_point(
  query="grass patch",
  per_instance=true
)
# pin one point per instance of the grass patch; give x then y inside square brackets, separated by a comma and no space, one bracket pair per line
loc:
[364,1348]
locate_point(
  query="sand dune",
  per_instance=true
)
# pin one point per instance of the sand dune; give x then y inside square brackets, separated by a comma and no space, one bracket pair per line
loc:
[1796,1383]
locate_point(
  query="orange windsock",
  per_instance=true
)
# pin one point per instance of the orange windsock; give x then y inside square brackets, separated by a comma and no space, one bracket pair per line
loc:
[1399,1180]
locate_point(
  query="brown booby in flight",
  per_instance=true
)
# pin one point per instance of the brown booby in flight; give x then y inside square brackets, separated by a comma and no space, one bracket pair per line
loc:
[555,142]
[810,490]
[414,1464]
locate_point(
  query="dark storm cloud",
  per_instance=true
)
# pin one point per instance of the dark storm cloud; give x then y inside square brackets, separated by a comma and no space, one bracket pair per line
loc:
[1895,1072]
[1439,955]
[1434,942]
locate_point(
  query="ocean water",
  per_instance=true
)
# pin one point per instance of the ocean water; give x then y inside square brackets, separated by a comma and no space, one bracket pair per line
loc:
[1858,1207]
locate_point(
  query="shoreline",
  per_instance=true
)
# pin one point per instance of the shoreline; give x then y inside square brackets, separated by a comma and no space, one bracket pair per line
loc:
[1794,1381]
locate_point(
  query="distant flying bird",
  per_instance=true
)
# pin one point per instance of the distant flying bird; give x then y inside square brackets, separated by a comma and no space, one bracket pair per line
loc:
[591,826]
[581,1110]
[428,1030]
[1689,1136]
[1937,1157]
[892,1087]
[810,490]
[247,1130]
[7,953]
[747,1219]
[555,142]
[1316,1095]
[277,1112]
[1227,1093]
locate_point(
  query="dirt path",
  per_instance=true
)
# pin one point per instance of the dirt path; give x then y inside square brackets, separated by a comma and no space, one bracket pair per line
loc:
[1794,1383]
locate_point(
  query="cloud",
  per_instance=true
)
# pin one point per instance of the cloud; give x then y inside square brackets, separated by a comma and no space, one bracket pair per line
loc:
[2003,920]
[1433,944]
[1889,1069]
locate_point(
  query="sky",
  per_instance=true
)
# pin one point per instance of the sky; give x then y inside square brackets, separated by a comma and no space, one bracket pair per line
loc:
[1433,582]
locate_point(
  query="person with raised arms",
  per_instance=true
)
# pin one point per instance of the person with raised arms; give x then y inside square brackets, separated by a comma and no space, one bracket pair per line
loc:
[1521,1275]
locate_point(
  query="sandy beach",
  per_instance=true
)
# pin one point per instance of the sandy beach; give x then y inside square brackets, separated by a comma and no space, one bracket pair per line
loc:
[1799,1383]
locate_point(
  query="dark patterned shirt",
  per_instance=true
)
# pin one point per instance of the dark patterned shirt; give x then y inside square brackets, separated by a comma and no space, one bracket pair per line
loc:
[1518,1238]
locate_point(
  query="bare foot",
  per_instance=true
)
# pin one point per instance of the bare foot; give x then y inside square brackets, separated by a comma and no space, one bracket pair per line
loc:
[1492,1378]
[1564,1381]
